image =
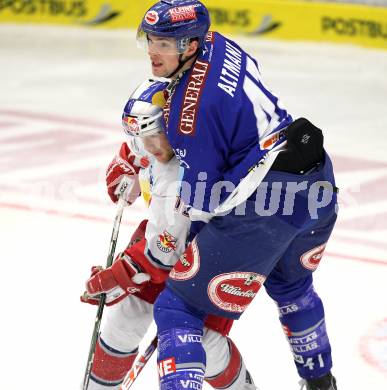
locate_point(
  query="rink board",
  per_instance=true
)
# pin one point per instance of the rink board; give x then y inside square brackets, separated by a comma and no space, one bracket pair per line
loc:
[289,20]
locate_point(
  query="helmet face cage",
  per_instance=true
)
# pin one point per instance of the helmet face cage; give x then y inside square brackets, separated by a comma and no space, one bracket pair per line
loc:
[142,126]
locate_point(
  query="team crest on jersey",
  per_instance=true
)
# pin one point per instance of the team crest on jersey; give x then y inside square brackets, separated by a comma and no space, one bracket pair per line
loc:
[188,264]
[166,242]
[152,17]
[234,291]
[130,125]
[311,259]
[188,114]
[179,14]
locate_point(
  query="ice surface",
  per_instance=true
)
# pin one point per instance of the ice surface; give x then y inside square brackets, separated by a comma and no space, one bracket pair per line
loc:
[61,95]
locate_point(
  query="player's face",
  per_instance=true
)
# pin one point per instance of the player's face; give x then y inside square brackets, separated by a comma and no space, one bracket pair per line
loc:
[158,145]
[163,55]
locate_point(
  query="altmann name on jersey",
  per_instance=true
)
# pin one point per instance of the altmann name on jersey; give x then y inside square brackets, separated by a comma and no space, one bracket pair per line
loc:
[187,122]
[231,69]
[229,289]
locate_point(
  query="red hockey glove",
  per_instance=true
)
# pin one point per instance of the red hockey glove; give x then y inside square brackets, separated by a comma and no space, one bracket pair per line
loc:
[117,282]
[124,168]
[87,298]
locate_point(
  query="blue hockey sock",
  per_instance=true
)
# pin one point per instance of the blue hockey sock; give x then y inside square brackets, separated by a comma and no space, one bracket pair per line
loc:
[304,325]
[181,357]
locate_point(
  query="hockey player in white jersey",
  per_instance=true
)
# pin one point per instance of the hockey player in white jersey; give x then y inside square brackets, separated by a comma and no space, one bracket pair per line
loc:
[154,249]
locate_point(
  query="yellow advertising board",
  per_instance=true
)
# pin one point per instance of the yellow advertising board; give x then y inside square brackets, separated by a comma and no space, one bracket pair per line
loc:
[104,13]
[292,20]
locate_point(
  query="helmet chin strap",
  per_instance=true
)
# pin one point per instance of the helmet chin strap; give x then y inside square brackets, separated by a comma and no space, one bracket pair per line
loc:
[182,63]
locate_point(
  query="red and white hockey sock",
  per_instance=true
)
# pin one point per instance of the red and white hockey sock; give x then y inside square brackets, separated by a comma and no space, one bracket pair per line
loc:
[235,375]
[110,366]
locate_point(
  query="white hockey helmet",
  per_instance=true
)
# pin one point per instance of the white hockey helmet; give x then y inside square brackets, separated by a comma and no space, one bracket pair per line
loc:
[143,112]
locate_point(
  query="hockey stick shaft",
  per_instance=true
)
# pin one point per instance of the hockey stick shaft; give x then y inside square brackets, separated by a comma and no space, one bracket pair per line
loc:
[101,305]
[138,365]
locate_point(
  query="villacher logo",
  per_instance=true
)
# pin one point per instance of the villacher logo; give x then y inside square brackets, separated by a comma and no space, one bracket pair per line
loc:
[311,259]
[188,265]
[234,291]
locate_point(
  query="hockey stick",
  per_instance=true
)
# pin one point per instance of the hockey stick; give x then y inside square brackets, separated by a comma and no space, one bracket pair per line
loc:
[138,365]
[123,187]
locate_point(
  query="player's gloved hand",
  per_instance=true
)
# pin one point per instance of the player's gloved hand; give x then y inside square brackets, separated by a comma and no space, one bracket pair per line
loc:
[123,278]
[305,148]
[123,170]
[85,297]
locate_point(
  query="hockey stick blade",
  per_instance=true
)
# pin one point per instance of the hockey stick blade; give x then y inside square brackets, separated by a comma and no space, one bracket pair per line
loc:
[138,365]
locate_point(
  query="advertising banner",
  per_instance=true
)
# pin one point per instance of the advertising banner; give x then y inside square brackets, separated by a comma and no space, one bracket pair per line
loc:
[289,20]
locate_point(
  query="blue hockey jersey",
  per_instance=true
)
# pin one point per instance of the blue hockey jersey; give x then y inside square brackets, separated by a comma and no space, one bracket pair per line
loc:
[221,120]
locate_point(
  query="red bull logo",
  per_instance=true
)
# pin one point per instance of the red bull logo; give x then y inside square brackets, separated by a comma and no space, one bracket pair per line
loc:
[131,125]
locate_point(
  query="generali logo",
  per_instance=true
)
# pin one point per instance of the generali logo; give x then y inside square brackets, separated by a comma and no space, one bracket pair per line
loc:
[188,114]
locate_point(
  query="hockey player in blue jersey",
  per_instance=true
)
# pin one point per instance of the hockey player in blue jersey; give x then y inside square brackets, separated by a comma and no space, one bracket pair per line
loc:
[222,121]
[259,186]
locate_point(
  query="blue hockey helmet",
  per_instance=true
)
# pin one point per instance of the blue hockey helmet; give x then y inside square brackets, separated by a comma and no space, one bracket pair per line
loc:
[143,112]
[179,19]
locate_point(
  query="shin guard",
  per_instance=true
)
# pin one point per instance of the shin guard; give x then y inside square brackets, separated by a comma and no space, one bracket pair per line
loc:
[181,356]
[304,326]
